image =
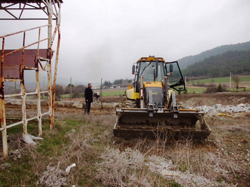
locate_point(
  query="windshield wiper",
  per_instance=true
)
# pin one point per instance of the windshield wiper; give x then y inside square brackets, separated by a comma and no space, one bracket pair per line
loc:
[145,67]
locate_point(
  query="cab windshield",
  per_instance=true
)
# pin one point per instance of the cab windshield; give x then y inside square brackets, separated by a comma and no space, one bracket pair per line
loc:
[148,71]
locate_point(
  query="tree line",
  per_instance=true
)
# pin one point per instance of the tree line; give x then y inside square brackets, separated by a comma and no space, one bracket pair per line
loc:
[189,60]
[77,91]
[117,82]
[236,62]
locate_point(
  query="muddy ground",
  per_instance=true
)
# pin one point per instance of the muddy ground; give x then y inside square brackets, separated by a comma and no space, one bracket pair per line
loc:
[192,99]
[223,159]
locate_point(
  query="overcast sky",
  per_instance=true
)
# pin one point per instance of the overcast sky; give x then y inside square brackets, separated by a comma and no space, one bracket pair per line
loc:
[103,38]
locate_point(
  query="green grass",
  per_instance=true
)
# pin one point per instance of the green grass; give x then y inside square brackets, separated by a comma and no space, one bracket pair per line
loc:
[220,80]
[56,147]
[65,95]
[32,127]
[202,90]
[104,93]
[193,90]
[47,147]
[22,170]
[113,93]
[238,90]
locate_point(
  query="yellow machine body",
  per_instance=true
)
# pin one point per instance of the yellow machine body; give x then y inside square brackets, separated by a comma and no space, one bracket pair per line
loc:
[151,108]
[131,94]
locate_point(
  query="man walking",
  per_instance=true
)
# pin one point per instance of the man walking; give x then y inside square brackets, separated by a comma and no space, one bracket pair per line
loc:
[88,98]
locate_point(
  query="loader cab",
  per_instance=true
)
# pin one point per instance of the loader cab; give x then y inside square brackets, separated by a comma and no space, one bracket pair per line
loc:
[151,71]
[155,71]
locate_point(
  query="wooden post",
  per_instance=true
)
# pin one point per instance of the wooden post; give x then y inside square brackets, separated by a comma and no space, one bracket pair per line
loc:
[101,93]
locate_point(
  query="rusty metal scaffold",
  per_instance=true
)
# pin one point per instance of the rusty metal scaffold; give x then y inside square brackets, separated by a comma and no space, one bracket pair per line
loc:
[15,61]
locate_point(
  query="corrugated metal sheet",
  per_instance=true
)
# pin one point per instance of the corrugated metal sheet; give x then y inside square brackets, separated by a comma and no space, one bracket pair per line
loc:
[13,62]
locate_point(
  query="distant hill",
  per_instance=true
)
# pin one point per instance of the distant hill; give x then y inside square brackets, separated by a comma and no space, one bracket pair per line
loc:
[186,61]
[236,62]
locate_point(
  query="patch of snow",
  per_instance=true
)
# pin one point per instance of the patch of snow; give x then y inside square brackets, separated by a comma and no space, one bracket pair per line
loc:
[165,168]
[218,108]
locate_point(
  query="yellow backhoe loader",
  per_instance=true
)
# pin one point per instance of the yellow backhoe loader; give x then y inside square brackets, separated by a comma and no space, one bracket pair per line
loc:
[151,110]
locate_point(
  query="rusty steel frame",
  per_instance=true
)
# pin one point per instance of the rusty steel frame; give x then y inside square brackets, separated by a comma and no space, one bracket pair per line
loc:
[52,9]
[10,6]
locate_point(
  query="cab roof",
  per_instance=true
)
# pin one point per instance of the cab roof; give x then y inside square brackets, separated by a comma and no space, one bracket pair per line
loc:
[151,58]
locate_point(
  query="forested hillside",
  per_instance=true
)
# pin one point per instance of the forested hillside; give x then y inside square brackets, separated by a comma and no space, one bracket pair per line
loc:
[186,61]
[236,62]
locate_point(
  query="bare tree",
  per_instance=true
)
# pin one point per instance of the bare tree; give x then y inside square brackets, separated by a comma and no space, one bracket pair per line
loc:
[78,91]
[80,88]
[237,80]
[59,91]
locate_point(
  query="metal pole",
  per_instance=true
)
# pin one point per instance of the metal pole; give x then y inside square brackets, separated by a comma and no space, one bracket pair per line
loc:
[70,87]
[3,116]
[38,90]
[58,23]
[15,87]
[49,56]
[24,117]
[141,92]
[55,73]
[101,94]
[43,86]
[230,80]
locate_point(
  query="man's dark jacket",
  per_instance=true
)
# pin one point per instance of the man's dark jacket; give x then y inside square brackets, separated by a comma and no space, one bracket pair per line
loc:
[88,95]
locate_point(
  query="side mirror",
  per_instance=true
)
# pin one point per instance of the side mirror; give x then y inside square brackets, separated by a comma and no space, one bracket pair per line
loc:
[133,69]
[171,68]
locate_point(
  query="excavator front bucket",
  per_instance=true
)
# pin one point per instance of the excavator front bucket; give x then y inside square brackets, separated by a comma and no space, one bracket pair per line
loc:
[136,122]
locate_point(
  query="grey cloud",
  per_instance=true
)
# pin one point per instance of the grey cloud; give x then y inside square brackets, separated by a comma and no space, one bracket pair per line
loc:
[101,39]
